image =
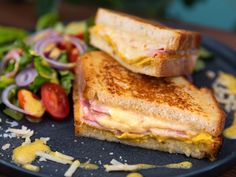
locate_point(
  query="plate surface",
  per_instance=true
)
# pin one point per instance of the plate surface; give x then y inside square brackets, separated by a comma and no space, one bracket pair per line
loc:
[100,152]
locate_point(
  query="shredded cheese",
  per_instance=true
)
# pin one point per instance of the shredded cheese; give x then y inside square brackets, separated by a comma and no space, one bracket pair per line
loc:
[6,146]
[23,132]
[63,156]
[53,158]
[71,170]
[126,167]
[31,167]
[115,162]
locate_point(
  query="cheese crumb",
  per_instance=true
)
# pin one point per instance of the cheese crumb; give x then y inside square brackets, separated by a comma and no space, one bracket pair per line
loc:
[6,146]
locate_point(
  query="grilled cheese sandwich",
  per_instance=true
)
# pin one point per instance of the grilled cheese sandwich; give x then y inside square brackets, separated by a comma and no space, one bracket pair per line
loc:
[168,114]
[137,44]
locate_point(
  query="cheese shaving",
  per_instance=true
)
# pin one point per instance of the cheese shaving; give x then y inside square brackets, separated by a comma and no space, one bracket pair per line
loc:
[126,167]
[71,170]
[31,167]
[63,156]
[115,162]
[53,158]
[6,146]
[23,132]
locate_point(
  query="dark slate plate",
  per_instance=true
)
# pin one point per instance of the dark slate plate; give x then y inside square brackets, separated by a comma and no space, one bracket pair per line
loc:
[63,140]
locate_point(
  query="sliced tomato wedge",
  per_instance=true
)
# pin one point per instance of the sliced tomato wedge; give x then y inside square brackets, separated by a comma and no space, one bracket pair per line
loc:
[73,55]
[55,100]
[80,35]
[30,103]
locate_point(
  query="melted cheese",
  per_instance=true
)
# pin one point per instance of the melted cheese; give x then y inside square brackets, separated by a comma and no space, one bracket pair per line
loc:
[134,175]
[229,81]
[137,127]
[230,132]
[132,50]
[25,154]
[135,49]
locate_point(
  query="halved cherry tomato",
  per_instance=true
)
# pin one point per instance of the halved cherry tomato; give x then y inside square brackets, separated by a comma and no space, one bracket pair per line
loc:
[73,55]
[64,45]
[55,100]
[30,103]
[80,35]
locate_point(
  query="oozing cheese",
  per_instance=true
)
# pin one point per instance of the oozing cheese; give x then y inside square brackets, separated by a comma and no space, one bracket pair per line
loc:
[139,127]
[132,50]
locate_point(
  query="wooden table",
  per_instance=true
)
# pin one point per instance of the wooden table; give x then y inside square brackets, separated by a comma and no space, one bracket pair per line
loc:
[24,15]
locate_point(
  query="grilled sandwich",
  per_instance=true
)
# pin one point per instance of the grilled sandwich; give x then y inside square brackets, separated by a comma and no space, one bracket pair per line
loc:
[167,114]
[143,46]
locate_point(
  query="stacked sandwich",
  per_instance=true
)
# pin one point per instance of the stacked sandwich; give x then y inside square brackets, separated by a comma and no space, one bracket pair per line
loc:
[133,92]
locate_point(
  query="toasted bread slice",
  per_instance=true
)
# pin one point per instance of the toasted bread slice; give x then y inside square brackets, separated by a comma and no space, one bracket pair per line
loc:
[171,101]
[143,46]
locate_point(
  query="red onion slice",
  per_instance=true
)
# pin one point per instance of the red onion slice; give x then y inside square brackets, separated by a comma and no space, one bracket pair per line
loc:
[5,99]
[12,55]
[39,48]
[26,77]
[47,33]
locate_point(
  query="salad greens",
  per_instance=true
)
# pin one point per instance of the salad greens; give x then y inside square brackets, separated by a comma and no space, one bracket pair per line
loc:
[18,43]
[5,81]
[11,34]
[66,80]
[47,20]
[204,55]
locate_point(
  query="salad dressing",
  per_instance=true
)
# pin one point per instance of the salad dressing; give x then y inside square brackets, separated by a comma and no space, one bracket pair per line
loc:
[88,166]
[183,165]
[26,154]
[230,132]
[134,175]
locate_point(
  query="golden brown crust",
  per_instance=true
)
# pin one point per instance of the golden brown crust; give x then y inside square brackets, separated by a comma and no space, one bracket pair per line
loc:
[182,39]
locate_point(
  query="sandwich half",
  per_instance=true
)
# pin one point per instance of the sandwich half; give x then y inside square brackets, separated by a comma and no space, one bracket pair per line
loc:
[143,46]
[167,114]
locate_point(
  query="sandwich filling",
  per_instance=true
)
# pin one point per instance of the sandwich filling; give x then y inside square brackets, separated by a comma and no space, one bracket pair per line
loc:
[138,51]
[137,127]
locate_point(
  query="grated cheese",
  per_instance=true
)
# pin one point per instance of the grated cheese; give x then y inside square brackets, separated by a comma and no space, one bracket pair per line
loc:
[126,167]
[31,167]
[53,158]
[71,170]
[224,88]
[6,146]
[115,162]
[23,132]
[63,156]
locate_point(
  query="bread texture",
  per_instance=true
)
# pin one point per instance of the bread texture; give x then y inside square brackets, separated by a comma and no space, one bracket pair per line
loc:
[173,99]
[173,39]
[159,68]
[181,45]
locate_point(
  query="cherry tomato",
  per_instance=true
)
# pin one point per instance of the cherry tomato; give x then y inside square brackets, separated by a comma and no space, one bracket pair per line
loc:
[55,100]
[30,103]
[80,35]
[73,55]
[64,45]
